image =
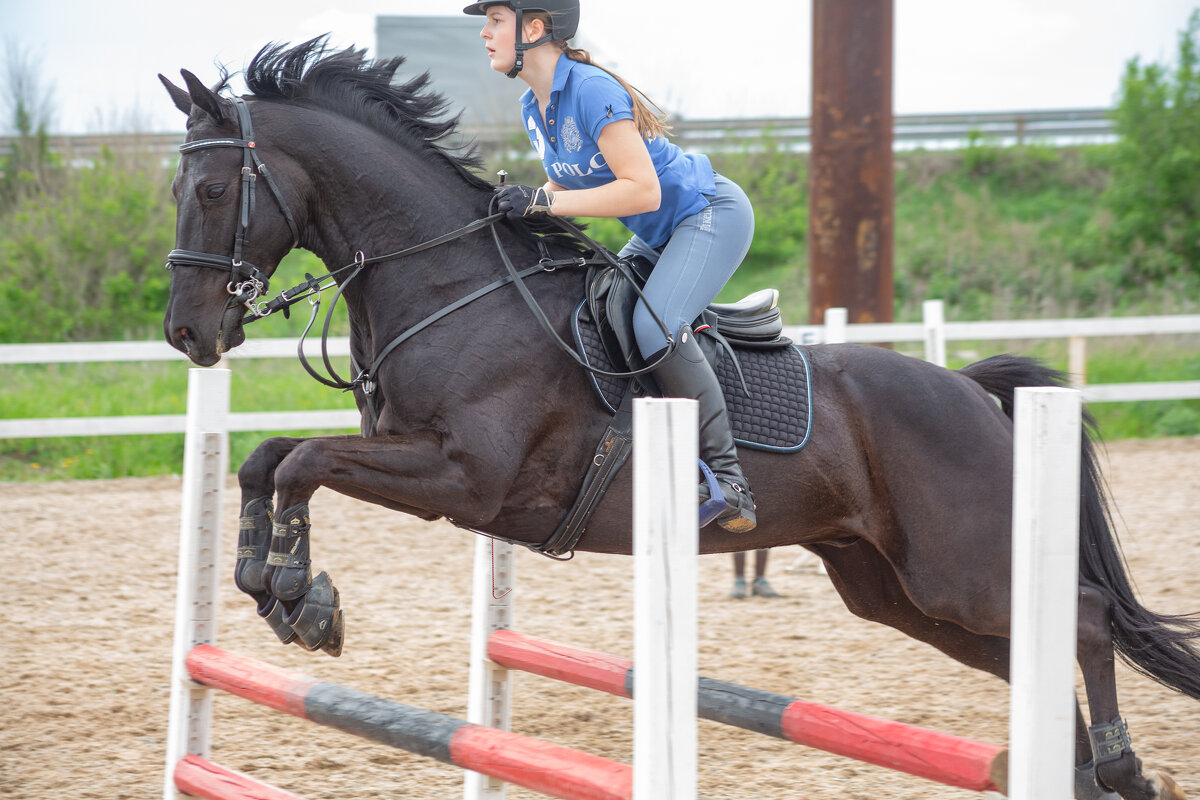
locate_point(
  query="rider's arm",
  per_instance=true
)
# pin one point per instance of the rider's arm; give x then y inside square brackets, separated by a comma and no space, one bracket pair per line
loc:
[636,189]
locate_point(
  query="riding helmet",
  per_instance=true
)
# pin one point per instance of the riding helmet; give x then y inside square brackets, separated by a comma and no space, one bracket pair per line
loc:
[564,16]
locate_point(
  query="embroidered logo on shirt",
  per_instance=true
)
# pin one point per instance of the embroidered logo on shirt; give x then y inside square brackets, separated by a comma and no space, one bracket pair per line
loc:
[570,135]
[609,110]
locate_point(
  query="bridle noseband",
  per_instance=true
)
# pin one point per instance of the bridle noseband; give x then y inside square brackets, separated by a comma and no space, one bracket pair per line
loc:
[246,282]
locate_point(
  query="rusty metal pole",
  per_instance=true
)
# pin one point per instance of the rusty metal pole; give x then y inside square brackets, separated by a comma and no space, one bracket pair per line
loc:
[850,169]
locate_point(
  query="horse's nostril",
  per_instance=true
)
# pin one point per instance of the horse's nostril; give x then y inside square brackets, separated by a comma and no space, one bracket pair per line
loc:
[185,339]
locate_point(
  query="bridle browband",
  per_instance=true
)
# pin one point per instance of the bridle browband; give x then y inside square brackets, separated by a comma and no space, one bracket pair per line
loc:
[246,282]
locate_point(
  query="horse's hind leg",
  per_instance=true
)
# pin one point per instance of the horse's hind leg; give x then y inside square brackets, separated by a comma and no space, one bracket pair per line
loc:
[870,588]
[1116,766]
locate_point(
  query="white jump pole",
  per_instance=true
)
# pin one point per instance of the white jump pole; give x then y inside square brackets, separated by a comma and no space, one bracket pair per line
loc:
[489,701]
[665,545]
[1045,585]
[205,464]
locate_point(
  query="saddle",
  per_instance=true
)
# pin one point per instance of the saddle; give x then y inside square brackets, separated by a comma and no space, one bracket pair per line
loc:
[763,374]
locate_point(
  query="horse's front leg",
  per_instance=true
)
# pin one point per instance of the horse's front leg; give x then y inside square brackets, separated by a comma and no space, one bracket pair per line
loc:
[409,473]
[257,480]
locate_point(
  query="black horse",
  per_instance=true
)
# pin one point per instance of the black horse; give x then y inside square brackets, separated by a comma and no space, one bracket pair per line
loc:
[904,489]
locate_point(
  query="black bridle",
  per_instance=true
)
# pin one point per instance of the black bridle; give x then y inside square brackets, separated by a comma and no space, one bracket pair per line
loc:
[246,282]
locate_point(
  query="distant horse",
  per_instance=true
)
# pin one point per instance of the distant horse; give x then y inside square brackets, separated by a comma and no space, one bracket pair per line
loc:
[904,488]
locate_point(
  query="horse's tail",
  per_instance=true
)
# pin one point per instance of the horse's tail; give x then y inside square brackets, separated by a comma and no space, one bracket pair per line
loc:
[1159,646]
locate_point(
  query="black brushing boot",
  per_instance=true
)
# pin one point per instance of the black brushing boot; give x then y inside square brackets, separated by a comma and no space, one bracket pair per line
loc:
[688,374]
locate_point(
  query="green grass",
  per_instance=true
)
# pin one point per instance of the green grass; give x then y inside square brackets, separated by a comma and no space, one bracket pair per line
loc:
[117,389]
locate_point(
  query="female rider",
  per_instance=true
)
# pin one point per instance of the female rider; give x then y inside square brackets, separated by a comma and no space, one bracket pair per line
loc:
[606,155]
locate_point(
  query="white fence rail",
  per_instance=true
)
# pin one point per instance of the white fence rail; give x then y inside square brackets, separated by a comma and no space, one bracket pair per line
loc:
[933,331]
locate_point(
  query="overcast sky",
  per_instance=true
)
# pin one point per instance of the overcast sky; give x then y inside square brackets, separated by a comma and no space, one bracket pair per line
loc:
[701,58]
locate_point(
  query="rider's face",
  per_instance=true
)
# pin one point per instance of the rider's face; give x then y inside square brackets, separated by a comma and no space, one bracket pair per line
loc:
[499,36]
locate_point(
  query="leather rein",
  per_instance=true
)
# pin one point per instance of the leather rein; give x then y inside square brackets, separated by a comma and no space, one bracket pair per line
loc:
[248,283]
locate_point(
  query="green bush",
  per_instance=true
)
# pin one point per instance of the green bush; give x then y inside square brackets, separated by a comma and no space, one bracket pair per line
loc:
[82,251]
[1154,194]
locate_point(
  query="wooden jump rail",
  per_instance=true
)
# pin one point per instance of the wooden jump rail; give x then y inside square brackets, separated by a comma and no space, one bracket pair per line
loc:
[936,756]
[522,760]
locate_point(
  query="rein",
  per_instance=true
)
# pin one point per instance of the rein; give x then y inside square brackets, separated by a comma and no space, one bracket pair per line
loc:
[247,282]
[365,377]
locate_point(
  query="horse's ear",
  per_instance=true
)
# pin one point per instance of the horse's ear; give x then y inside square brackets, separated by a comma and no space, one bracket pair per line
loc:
[202,97]
[183,101]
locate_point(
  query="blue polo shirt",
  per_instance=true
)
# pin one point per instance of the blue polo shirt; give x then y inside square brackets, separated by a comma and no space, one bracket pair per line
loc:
[584,99]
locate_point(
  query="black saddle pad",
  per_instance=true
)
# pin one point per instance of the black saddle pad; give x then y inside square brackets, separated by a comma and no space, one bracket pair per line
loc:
[774,417]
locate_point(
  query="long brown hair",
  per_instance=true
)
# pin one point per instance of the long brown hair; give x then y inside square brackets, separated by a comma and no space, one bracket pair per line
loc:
[648,116]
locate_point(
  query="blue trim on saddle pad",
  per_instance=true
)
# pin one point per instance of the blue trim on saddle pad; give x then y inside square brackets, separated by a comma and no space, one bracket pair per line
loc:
[777,417]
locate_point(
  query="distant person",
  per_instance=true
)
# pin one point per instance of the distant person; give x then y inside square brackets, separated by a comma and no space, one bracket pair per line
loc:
[760,587]
[604,148]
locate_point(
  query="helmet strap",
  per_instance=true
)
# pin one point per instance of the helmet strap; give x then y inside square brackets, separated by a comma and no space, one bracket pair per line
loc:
[521,46]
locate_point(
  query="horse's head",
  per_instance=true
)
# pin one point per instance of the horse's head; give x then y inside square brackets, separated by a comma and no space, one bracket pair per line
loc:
[228,237]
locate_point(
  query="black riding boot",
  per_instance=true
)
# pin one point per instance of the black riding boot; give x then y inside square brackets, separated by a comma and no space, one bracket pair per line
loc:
[688,374]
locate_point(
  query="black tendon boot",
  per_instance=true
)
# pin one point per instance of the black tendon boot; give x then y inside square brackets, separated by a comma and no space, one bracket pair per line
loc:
[688,374]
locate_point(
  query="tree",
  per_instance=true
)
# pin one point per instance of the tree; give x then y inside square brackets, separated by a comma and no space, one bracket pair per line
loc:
[28,106]
[1154,191]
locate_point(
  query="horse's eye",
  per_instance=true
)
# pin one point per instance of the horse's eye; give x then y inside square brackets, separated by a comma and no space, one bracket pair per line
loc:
[215,191]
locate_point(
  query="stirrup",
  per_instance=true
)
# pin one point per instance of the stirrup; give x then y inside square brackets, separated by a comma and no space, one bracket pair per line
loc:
[715,505]
[735,519]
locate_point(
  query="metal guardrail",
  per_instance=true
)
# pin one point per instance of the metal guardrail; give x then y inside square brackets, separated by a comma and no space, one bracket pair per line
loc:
[1074,124]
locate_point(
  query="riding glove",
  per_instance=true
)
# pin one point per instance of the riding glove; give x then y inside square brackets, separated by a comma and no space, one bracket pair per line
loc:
[524,201]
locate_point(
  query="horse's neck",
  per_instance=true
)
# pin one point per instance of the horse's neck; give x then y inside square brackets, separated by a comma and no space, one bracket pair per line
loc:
[388,206]
[386,200]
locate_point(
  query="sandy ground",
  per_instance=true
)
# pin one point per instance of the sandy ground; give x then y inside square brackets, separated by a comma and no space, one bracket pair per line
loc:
[85,655]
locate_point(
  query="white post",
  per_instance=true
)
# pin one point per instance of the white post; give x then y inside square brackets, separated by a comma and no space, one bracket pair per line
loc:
[835,325]
[490,686]
[665,544]
[933,318]
[1045,586]
[205,465]
[1077,360]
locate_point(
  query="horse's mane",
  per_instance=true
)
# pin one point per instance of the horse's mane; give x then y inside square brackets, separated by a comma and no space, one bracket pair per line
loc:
[348,83]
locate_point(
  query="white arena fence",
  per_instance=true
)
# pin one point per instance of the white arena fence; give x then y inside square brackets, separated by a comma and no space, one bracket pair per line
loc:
[933,330]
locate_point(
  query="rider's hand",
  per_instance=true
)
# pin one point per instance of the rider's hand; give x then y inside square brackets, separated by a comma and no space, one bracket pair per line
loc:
[524,201]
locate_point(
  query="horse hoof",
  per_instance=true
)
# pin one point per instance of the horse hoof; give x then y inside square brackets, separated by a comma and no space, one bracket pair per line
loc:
[337,631]
[1166,787]
[317,618]
[273,612]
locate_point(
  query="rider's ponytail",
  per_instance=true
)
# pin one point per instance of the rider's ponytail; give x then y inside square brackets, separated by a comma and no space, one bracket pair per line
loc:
[650,119]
